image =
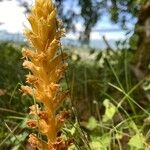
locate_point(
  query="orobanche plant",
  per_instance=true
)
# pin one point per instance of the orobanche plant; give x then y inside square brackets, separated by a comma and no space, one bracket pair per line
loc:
[46,69]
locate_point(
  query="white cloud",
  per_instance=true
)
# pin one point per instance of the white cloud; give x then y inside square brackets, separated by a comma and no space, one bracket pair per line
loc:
[72,35]
[107,35]
[95,36]
[12,16]
[79,26]
[14,20]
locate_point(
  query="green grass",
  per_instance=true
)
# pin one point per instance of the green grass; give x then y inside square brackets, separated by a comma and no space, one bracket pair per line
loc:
[109,106]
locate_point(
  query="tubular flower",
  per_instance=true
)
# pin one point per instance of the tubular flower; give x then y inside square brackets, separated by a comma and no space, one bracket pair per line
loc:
[46,69]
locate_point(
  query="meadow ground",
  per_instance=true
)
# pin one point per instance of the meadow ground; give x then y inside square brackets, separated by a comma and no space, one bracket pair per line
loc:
[109,105]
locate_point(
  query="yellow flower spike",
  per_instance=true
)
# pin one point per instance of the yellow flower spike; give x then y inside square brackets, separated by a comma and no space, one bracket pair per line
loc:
[39,58]
[33,140]
[43,115]
[40,124]
[26,90]
[34,109]
[36,143]
[31,79]
[55,44]
[32,124]
[59,99]
[46,67]
[43,126]
[54,87]
[34,40]
[29,65]
[56,74]
[33,23]
[27,53]
[43,30]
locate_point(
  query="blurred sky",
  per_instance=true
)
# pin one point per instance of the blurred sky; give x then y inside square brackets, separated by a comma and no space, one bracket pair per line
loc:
[14,20]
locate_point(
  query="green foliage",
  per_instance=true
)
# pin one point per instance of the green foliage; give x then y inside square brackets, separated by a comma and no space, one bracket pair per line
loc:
[108,80]
[109,104]
[11,101]
[137,142]
[12,75]
[92,123]
[102,143]
[133,41]
[10,65]
[110,110]
[120,12]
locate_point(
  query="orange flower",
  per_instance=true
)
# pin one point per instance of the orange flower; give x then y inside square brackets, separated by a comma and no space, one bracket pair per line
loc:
[46,67]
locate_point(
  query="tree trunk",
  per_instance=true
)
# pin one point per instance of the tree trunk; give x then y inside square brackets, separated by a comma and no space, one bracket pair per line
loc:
[85,36]
[142,56]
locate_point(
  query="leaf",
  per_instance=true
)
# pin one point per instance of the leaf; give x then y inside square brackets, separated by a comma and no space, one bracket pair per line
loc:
[92,51]
[72,147]
[95,145]
[110,110]
[16,147]
[146,85]
[133,41]
[133,126]
[101,143]
[92,123]
[99,56]
[73,129]
[137,141]
[119,136]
